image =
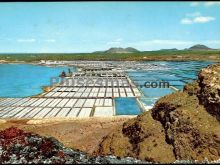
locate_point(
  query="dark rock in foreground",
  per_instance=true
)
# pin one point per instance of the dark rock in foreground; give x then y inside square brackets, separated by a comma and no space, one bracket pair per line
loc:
[19,147]
[181,126]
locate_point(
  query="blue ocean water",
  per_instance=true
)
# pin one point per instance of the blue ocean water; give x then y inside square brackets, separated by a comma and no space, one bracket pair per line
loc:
[23,80]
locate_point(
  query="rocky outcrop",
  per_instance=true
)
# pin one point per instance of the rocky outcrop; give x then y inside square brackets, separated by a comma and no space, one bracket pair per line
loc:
[209,94]
[189,128]
[142,138]
[181,126]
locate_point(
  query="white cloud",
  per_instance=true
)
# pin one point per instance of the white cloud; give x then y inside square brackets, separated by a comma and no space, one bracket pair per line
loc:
[186,21]
[50,40]
[194,4]
[26,40]
[202,19]
[196,17]
[206,4]
[211,3]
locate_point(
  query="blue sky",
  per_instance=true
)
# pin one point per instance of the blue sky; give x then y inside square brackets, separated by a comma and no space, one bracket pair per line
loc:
[91,26]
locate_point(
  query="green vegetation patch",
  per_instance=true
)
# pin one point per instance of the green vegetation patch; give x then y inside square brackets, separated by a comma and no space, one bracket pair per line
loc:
[167,55]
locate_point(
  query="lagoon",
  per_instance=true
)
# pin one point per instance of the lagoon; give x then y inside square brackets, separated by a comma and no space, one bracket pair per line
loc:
[23,80]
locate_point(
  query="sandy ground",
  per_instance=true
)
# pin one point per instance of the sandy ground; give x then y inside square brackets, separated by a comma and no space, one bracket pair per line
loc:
[82,134]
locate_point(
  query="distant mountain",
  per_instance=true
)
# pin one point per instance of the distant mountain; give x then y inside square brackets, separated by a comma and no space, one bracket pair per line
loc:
[119,50]
[130,49]
[199,47]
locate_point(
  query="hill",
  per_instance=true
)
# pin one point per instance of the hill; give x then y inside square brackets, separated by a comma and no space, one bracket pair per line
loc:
[119,50]
[199,47]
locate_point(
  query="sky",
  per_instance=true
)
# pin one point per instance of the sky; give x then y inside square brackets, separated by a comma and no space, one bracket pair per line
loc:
[73,27]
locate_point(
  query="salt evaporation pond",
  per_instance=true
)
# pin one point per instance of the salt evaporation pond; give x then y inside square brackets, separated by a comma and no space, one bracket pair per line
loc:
[127,106]
[23,80]
[176,73]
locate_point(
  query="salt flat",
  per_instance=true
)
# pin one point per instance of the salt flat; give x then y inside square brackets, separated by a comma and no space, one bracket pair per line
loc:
[92,96]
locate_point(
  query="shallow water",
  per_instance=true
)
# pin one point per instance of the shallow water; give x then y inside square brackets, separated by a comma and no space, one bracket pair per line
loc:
[22,80]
